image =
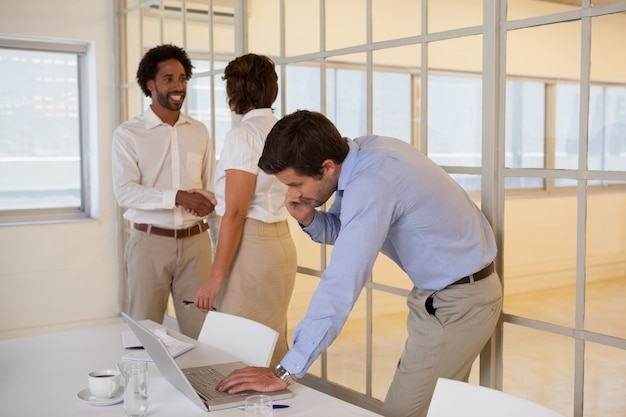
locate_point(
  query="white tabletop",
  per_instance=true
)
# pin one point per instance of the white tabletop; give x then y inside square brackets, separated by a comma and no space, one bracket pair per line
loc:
[42,375]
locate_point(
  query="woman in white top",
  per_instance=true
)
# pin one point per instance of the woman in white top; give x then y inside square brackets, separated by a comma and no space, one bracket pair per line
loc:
[255,262]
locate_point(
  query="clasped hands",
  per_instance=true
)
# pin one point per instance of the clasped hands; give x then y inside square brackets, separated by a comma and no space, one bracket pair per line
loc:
[196,201]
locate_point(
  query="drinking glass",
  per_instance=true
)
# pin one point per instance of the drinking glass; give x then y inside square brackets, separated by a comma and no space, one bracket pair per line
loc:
[259,406]
[135,388]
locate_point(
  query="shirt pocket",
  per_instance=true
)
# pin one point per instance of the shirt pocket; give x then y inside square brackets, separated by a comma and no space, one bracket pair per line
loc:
[193,166]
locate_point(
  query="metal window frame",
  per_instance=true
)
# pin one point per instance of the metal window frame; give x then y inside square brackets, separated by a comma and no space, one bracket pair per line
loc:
[84,211]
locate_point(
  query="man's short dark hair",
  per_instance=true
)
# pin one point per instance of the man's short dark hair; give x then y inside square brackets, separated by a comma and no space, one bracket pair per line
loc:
[251,83]
[302,141]
[149,65]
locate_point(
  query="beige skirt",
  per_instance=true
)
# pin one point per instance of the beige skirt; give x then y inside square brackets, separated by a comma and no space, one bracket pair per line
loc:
[260,281]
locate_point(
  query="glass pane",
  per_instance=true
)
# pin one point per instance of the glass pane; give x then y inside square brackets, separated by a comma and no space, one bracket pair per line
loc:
[389,333]
[521,9]
[199,103]
[302,87]
[151,27]
[346,356]
[173,26]
[302,27]
[304,287]
[197,28]
[611,132]
[346,95]
[556,55]
[540,258]
[403,58]
[387,272]
[567,116]
[40,146]
[606,33]
[605,379]
[539,367]
[466,13]
[457,98]
[264,27]
[525,124]
[223,38]
[457,54]
[555,51]
[607,137]
[468,182]
[345,23]
[523,182]
[392,105]
[133,49]
[402,20]
[136,101]
[394,91]
[606,263]
[309,252]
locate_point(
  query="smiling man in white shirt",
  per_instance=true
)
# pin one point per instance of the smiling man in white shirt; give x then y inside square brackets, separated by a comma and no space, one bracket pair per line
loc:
[157,157]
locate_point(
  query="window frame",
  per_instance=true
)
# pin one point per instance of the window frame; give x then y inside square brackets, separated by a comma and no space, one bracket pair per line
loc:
[84,210]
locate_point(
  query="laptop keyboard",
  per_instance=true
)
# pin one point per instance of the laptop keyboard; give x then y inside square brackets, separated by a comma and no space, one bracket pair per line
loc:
[205,380]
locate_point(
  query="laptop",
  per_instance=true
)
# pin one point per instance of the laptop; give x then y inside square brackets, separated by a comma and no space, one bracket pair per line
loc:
[197,383]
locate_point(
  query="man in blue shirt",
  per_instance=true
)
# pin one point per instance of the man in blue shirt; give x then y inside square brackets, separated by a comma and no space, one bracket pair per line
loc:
[389,198]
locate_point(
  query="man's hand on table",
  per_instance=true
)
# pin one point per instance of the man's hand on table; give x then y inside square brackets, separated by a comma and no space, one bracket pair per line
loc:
[251,378]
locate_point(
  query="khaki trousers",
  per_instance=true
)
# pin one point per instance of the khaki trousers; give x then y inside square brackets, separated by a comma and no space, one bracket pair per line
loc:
[157,266]
[444,344]
[260,281]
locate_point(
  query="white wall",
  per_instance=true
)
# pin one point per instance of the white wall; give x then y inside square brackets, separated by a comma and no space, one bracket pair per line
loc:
[62,275]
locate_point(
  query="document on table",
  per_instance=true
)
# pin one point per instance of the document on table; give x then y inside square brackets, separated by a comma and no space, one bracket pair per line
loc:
[327,411]
[135,350]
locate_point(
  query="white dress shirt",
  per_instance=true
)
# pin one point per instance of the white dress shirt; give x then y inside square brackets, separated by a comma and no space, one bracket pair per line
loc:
[242,150]
[152,161]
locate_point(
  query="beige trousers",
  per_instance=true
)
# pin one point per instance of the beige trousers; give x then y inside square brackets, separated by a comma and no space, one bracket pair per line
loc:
[260,281]
[444,344]
[157,266]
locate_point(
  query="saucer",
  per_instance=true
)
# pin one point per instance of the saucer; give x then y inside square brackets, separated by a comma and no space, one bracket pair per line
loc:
[85,396]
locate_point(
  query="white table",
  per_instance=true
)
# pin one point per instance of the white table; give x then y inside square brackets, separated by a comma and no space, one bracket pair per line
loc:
[42,375]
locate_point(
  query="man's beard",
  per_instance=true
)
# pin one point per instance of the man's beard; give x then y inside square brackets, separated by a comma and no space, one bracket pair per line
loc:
[165,102]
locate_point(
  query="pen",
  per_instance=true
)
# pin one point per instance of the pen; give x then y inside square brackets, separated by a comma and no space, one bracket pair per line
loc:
[275,406]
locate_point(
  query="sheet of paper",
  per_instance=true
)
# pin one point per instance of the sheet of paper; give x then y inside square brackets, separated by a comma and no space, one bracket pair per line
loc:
[327,411]
[134,352]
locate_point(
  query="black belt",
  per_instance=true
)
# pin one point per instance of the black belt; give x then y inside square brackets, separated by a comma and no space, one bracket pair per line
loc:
[483,273]
[175,233]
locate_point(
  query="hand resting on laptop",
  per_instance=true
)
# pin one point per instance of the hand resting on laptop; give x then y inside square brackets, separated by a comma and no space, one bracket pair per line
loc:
[251,378]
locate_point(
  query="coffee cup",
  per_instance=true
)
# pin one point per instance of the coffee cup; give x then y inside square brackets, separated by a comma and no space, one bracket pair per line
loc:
[104,383]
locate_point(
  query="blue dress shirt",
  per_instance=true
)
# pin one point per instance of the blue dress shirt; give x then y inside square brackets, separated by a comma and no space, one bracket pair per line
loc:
[392,199]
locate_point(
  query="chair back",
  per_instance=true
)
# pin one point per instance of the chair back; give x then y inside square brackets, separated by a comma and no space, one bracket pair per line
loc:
[249,341]
[455,398]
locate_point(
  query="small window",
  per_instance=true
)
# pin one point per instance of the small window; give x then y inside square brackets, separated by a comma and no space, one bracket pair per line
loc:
[43,143]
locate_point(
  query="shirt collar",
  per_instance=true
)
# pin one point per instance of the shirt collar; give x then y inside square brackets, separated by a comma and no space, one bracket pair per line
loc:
[347,165]
[257,112]
[152,120]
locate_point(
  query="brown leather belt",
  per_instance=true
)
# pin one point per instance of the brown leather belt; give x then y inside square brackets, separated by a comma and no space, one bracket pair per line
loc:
[483,273]
[175,233]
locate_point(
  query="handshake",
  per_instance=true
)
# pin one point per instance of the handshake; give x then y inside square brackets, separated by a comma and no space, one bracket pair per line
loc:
[196,201]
